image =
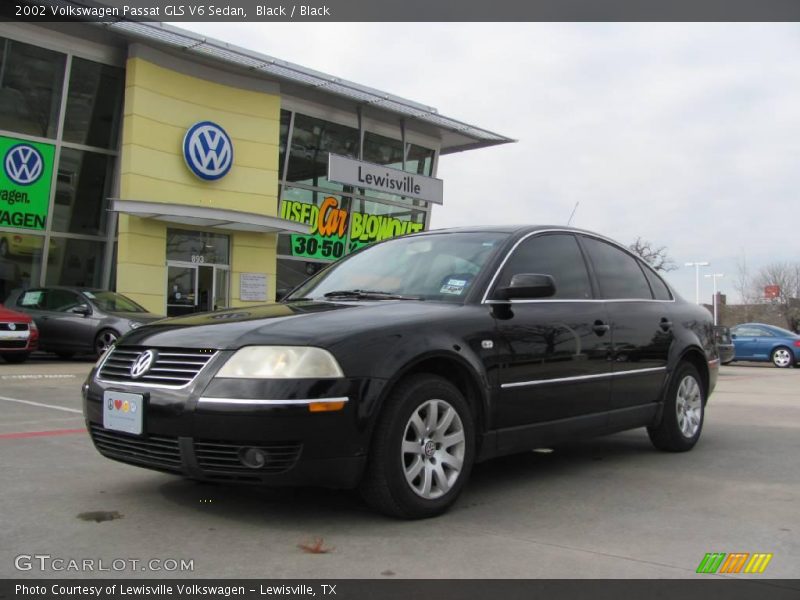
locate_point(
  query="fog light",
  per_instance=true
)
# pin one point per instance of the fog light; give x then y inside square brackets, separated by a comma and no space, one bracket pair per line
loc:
[254,458]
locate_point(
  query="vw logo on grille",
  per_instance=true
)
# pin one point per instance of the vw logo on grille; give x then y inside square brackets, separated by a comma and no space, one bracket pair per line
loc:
[143,363]
[12,326]
[23,164]
[208,150]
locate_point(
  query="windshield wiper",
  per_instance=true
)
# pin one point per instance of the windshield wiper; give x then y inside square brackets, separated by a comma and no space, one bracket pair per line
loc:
[369,295]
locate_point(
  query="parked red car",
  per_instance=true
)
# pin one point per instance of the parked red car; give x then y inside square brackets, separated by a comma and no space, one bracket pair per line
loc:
[18,335]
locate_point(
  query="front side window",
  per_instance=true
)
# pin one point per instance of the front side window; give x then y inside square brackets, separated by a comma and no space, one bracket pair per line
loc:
[751,332]
[113,302]
[557,255]
[432,267]
[618,273]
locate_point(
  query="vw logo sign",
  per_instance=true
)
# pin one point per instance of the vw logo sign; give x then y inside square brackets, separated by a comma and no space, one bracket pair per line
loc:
[12,326]
[208,150]
[23,164]
[142,363]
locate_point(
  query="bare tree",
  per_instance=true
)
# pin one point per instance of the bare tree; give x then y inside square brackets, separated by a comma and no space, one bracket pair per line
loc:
[787,277]
[656,257]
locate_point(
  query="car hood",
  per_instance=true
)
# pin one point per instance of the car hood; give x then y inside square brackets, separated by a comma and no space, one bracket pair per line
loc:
[6,314]
[296,323]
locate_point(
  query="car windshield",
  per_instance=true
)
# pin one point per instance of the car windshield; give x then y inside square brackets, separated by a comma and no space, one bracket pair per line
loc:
[427,267]
[113,302]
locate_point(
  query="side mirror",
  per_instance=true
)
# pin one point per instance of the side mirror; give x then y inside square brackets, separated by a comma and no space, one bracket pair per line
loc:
[527,286]
[82,309]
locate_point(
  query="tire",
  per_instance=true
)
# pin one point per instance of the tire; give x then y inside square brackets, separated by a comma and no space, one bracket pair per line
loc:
[103,340]
[406,476]
[684,411]
[782,357]
[16,358]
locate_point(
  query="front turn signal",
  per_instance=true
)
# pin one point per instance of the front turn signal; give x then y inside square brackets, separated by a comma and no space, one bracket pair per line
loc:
[325,406]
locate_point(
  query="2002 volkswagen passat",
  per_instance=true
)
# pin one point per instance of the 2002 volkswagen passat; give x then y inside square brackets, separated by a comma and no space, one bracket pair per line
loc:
[401,365]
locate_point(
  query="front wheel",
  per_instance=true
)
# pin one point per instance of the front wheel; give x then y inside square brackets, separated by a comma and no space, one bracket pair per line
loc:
[423,449]
[684,411]
[782,357]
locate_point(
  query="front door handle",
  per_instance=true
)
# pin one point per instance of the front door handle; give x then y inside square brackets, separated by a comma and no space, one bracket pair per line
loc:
[600,328]
[666,324]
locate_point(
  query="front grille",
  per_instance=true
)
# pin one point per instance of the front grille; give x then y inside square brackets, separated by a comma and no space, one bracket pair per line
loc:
[154,451]
[222,458]
[17,327]
[172,367]
[10,344]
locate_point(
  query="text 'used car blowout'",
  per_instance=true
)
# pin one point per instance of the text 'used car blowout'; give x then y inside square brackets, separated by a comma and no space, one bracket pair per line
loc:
[399,366]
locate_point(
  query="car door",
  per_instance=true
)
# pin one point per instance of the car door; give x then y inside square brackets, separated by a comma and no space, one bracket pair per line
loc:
[641,328]
[63,327]
[752,342]
[552,352]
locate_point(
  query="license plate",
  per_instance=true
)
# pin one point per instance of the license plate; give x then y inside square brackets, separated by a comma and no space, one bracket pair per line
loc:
[123,412]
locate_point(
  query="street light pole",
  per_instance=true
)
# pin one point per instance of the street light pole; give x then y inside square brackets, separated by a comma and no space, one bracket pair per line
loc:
[697,266]
[714,277]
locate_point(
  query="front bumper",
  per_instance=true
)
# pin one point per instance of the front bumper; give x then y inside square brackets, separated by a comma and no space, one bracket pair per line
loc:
[198,432]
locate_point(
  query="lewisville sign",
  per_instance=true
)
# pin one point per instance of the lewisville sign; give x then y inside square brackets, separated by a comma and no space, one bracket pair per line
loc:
[384,179]
[26,174]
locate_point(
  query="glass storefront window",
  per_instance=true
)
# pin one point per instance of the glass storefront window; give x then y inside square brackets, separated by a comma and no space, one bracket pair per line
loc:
[286,119]
[31,79]
[82,186]
[94,104]
[374,221]
[383,151]
[198,247]
[20,261]
[312,140]
[75,262]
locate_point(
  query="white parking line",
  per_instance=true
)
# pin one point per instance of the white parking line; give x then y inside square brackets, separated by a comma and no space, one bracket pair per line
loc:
[53,406]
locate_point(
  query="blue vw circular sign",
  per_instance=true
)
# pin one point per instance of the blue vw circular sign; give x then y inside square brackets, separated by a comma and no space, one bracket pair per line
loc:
[23,164]
[208,150]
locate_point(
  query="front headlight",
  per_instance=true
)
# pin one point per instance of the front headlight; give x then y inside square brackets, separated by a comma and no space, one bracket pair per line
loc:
[281,362]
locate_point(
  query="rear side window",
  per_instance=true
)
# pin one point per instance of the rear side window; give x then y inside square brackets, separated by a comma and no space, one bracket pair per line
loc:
[618,273]
[660,289]
[557,255]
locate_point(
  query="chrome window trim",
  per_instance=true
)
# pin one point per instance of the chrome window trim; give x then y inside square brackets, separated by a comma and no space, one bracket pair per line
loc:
[265,402]
[486,299]
[581,377]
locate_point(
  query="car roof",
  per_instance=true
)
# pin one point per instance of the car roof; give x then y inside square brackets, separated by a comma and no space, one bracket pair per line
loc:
[508,229]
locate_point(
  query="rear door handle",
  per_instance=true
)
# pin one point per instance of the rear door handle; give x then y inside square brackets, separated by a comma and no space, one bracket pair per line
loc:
[600,328]
[666,324]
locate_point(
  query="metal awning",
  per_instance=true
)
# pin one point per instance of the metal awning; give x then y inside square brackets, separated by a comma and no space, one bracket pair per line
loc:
[203,216]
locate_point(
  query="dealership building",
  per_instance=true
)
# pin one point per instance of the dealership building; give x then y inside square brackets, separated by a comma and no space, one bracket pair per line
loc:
[190,174]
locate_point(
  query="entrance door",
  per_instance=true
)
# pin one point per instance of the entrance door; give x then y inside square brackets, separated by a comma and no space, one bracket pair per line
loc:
[195,288]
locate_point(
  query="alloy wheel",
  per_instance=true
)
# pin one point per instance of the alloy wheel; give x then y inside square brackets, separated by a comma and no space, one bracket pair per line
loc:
[689,406]
[104,341]
[433,449]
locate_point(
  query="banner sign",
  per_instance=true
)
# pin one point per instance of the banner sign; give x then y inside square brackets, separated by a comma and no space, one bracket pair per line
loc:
[335,231]
[384,179]
[26,174]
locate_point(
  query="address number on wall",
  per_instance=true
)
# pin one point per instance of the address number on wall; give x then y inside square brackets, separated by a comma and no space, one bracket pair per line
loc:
[198,258]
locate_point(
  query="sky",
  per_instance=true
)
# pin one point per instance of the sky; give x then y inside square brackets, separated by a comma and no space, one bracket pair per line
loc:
[687,135]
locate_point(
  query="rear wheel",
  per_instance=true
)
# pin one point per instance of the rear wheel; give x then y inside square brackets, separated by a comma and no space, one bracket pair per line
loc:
[684,407]
[782,357]
[104,340]
[422,451]
[16,358]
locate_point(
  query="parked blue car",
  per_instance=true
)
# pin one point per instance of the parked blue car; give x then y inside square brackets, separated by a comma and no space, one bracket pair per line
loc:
[760,342]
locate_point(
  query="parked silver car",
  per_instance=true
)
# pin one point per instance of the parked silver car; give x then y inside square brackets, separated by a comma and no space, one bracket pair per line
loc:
[74,320]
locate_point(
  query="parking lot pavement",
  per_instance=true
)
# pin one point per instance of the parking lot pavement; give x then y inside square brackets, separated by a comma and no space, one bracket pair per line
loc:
[610,507]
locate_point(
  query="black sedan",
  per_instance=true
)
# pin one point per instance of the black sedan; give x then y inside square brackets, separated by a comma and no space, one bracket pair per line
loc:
[75,320]
[398,367]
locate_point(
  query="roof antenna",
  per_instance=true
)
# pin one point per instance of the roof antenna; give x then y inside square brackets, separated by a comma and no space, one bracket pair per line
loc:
[573,212]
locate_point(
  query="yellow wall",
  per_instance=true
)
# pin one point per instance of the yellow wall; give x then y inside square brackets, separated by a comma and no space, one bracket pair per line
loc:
[160,105]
